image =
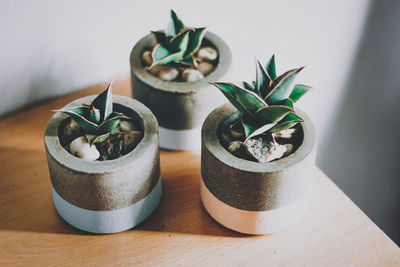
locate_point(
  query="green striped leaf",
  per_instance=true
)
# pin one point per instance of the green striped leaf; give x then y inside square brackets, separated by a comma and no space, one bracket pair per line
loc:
[161,55]
[287,122]
[298,91]
[262,79]
[104,103]
[195,38]
[282,86]
[175,25]
[270,67]
[272,113]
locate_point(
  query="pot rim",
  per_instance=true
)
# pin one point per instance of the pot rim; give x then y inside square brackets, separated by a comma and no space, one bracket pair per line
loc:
[150,137]
[137,69]
[211,142]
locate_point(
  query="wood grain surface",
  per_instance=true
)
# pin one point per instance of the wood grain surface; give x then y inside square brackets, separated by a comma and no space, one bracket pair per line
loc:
[334,232]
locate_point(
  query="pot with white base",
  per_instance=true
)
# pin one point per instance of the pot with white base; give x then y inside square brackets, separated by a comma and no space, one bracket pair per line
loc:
[106,196]
[180,107]
[252,197]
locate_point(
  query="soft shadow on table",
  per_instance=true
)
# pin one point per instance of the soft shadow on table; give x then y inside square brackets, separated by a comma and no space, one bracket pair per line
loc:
[181,210]
[26,204]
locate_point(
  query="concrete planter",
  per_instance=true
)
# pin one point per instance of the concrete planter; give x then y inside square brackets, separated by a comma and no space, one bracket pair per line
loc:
[180,107]
[251,197]
[106,196]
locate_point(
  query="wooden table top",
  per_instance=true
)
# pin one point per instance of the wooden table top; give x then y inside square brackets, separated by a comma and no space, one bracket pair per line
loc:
[180,232]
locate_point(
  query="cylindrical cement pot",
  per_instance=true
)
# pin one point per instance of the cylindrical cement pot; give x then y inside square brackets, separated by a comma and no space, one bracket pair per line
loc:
[252,197]
[106,196]
[180,107]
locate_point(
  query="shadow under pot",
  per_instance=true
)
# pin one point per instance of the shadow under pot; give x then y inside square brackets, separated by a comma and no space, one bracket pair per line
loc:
[180,107]
[106,196]
[252,197]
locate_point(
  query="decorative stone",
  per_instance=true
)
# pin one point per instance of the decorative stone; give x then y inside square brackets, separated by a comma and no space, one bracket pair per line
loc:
[81,148]
[276,151]
[146,57]
[287,133]
[111,148]
[130,140]
[192,75]
[156,70]
[237,134]
[207,53]
[168,73]
[226,138]
[126,126]
[72,128]
[289,149]
[264,150]
[205,68]
[235,147]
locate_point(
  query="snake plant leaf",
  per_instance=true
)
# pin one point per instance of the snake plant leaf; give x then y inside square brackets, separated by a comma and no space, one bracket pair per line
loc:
[229,92]
[287,122]
[195,38]
[180,41]
[189,61]
[161,55]
[93,139]
[282,86]
[298,91]
[262,79]
[252,129]
[175,25]
[78,115]
[287,103]
[111,123]
[160,36]
[94,115]
[104,103]
[270,67]
[249,87]
[272,113]
[248,100]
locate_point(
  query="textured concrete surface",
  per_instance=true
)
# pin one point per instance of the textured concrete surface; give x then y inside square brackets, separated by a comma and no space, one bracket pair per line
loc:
[178,105]
[111,184]
[255,186]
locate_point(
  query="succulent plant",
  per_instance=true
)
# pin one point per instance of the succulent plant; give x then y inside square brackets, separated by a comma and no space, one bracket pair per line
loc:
[97,119]
[266,104]
[177,44]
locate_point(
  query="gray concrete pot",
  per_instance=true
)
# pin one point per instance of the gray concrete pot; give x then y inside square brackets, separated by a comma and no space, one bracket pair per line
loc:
[106,196]
[252,197]
[180,107]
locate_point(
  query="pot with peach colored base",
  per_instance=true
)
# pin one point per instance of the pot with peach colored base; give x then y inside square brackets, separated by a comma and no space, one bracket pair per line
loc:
[252,197]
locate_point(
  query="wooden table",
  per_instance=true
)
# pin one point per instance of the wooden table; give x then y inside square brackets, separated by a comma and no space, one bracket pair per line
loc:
[334,231]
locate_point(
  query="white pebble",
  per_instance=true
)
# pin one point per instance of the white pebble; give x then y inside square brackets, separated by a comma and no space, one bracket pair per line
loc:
[81,148]
[276,151]
[205,68]
[287,133]
[72,128]
[146,57]
[207,53]
[192,75]
[168,73]
[126,126]
[235,146]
